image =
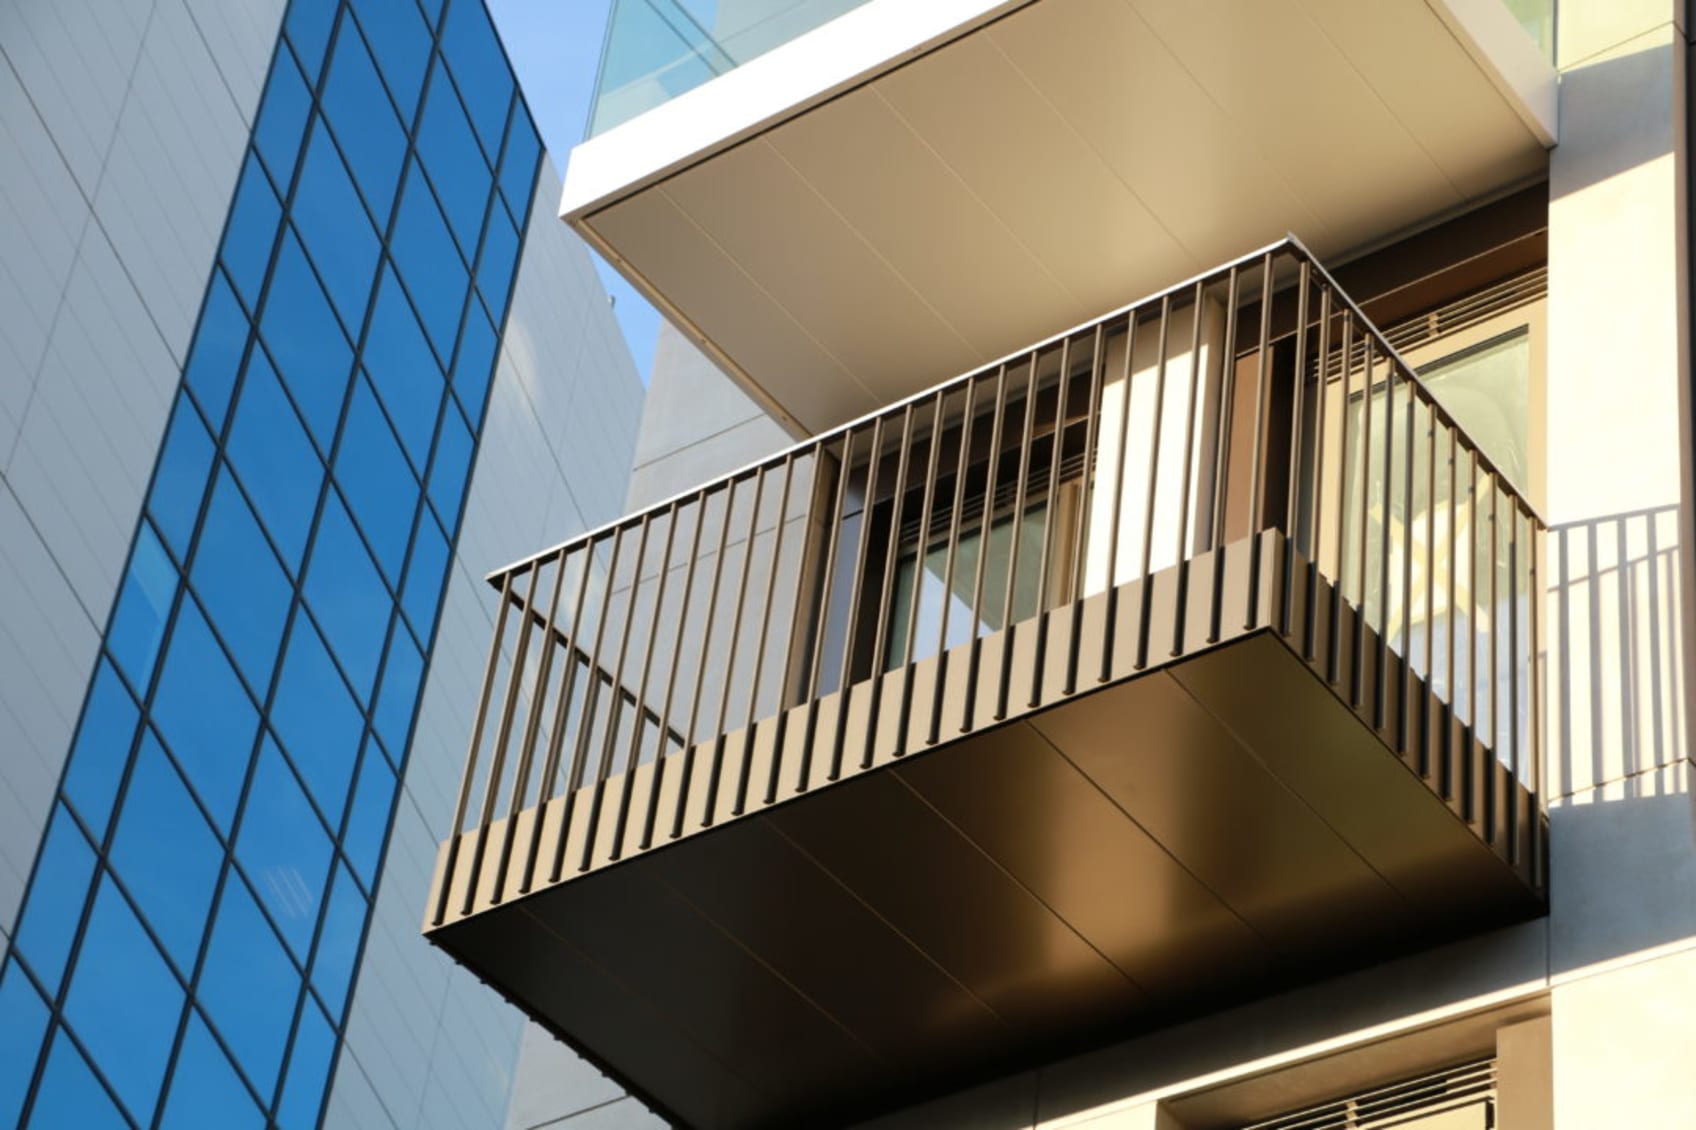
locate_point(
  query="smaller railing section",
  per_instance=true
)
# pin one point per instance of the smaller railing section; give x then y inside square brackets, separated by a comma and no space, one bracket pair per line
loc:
[1256,397]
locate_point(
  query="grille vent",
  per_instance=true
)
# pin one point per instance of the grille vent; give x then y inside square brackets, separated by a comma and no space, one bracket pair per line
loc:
[1463,1096]
[1453,317]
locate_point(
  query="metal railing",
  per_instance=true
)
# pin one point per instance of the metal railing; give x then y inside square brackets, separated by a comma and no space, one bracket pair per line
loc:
[976,516]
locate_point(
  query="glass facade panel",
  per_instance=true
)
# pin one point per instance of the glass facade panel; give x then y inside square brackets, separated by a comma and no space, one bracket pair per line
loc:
[261,604]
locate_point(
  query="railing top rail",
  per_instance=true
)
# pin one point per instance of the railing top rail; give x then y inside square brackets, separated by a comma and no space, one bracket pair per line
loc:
[1289,244]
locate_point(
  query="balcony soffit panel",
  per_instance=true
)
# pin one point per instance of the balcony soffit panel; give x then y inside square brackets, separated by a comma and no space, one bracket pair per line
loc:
[1054,163]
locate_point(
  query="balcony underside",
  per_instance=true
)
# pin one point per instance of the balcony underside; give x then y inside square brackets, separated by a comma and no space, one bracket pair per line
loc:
[1180,835]
[854,213]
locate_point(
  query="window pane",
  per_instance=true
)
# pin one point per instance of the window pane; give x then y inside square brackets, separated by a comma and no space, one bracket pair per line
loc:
[360,117]
[306,342]
[206,1093]
[344,925]
[248,986]
[124,1003]
[308,28]
[166,854]
[23,1022]
[275,460]
[332,223]
[284,849]
[240,583]
[428,261]
[402,43]
[454,162]
[475,57]
[282,118]
[103,745]
[205,716]
[378,484]
[475,364]
[318,720]
[453,465]
[144,603]
[251,232]
[395,703]
[70,1095]
[54,908]
[218,344]
[309,1070]
[368,824]
[518,164]
[179,484]
[498,262]
[404,370]
[347,597]
[424,576]
[1488,391]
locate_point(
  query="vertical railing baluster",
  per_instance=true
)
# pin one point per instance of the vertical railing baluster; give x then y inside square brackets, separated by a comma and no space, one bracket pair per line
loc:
[1184,543]
[1257,457]
[633,752]
[586,721]
[886,593]
[1472,711]
[1087,490]
[852,623]
[701,657]
[933,731]
[1357,691]
[986,527]
[1222,445]
[562,717]
[1450,617]
[1151,499]
[615,675]
[1292,477]
[1514,763]
[699,505]
[467,779]
[1495,670]
[1113,515]
[1381,685]
[722,722]
[836,520]
[904,710]
[1050,529]
[1316,511]
[1430,587]
[1404,694]
[1340,588]
[1534,568]
[1020,496]
[769,611]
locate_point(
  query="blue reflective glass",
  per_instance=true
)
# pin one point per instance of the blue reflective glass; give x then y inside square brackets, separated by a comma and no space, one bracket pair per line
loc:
[368,823]
[338,945]
[63,871]
[166,854]
[452,466]
[275,460]
[429,263]
[422,596]
[376,480]
[454,162]
[402,673]
[521,160]
[284,849]
[308,27]
[475,57]
[249,986]
[332,223]
[347,597]
[475,365]
[282,118]
[241,585]
[317,719]
[124,1002]
[402,44]
[179,483]
[23,1023]
[70,1095]
[205,716]
[103,745]
[206,1093]
[309,1070]
[251,231]
[404,370]
[144,603]
[306,342]
[360,117]
[218,344]
[499,261]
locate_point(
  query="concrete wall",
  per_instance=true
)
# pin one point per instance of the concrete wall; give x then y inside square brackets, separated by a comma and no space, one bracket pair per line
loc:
[122,126]
[428,1045]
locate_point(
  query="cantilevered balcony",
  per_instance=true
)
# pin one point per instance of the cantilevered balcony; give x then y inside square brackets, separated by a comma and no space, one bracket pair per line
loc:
[1173,660]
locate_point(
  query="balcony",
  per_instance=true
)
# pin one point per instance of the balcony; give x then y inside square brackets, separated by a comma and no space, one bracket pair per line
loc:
[965,175]
[1166,663]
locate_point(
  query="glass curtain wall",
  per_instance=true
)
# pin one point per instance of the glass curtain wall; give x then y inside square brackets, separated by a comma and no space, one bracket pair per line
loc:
[190,935]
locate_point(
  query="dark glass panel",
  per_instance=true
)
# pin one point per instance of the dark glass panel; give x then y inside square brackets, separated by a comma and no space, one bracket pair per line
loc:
[282,118]
[365,126]
[422,596]
[206,1093]
[144,604]
[179,484]
[23,1024]
[218,344]
[378,483]
[475,57]
[251,232]
[249,986]
[475,366]
[455,163]
[499,261]
[275,460]
[347,597]
[63,871]
[309,1070]
[318,720]
[368,823]
[284,849]
[519,163]
[396,701]
[402,45]
[308,28]
[241,584]
[429,263]
[205,716]
[312,356]
[103,745]
[452,466]
[338,945]
[404,370]
[338,234]
[70,1095]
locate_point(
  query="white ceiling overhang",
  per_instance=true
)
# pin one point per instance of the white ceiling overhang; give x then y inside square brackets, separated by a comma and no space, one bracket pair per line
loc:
[898,197]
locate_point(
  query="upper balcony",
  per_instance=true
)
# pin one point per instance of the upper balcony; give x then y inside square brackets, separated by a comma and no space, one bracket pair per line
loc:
[917,188]
[1162,664]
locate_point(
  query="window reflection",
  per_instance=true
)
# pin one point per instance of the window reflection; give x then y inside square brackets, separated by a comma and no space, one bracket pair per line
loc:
[344,925]
[23,1022]
[179,483]
[404,370]
[64,869]
[241,584]
[144,603]
[312,356]
[309,1070]
[401,42]
[317,719]
[206,1092]
[429,261]
[102,746]
[204,714]
[357,106]
[70,1095]
[454,161]
[275,460]
[284,849]
[332,223]
[249,986]
[377,481]
[347,597]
